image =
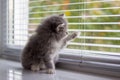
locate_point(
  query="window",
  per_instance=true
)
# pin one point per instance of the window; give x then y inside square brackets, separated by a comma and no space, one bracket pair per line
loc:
[18,22]
[97,20]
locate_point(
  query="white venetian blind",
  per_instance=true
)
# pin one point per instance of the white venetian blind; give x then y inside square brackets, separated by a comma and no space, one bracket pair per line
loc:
[97,20]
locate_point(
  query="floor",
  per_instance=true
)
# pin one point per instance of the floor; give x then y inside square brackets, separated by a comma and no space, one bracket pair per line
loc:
[10,70]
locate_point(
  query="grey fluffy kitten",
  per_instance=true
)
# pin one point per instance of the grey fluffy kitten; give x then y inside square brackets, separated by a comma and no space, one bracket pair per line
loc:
[41,51]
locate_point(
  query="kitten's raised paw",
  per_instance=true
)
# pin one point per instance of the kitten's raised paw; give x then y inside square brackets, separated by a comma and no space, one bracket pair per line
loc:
[35,68]
[50,71]
[75,34]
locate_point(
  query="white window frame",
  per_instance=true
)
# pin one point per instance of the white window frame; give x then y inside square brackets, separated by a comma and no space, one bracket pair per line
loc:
[11,50]
[67,57]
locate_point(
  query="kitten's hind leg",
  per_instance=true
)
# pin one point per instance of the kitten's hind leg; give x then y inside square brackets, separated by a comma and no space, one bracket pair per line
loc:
[42,65]
[35,67]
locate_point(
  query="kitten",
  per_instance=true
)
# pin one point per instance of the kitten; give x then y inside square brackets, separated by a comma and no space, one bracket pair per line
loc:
[42,49]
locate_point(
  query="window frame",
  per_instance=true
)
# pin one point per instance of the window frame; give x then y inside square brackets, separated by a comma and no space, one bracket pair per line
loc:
[67,60]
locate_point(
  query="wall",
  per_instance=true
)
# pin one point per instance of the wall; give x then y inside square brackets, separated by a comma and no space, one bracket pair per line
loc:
[3,22]
[0,26]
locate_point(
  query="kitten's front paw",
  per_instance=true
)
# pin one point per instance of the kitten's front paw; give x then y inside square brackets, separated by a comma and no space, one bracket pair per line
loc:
[75,34]
[50,71]
[35,68]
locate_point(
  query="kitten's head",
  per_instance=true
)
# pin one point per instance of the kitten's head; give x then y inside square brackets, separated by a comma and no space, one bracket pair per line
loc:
[56,23]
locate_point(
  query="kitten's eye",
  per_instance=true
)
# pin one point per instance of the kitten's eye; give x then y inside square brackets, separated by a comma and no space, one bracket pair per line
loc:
[62,24]
[60,28]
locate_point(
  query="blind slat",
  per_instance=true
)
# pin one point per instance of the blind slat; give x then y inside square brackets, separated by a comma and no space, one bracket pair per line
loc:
[84,23]
[97,45]
[94,16]
[76,10]
[103,38]
[84,30]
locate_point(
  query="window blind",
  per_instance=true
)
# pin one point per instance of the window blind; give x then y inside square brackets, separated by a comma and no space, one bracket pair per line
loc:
[93,18]
[17,29]
[97,20]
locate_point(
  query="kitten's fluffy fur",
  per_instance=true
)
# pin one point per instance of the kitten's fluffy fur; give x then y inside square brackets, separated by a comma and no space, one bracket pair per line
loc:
[42,48]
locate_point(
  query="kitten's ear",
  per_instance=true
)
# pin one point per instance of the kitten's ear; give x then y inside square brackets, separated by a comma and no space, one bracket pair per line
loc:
[60,27]
[62,15]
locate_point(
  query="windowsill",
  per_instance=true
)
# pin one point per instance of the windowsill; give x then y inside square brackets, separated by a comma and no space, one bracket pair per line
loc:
[74,60]
[8,68]
[77,65]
